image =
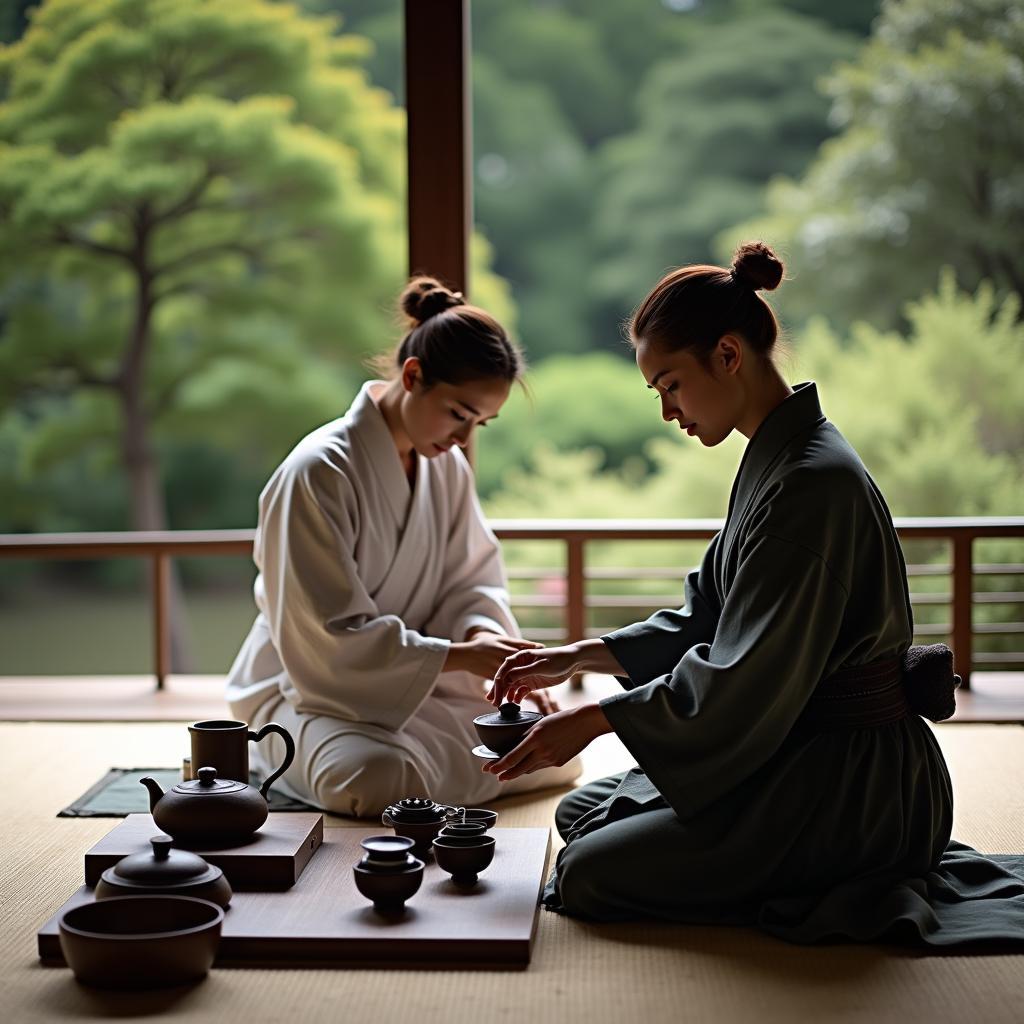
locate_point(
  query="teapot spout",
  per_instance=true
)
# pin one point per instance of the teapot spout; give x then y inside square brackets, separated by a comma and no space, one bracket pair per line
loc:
[155,792]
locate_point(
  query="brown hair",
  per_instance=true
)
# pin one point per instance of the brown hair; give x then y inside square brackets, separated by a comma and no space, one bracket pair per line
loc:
[453,341]
[692,307]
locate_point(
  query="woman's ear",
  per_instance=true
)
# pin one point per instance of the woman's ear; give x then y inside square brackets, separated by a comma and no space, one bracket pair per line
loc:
[412,373]
[729,353]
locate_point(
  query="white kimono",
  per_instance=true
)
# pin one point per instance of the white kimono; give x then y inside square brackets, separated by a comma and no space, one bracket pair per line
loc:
[363,584]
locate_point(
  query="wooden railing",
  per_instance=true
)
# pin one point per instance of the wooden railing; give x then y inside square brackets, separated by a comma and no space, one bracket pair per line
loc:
[574,596]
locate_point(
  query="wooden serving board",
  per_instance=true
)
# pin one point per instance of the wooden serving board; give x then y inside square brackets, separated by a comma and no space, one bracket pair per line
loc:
[274,858]
[324,921]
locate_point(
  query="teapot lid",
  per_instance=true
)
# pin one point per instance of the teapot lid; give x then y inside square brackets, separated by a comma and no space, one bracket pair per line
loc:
[207,784]
[417,808]
[509,714]
[163,866]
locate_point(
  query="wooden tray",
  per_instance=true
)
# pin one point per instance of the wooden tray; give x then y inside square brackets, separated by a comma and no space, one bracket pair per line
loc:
[324,921]
[273,860]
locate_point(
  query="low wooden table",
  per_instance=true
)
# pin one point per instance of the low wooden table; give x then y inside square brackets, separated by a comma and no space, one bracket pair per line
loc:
[323,920]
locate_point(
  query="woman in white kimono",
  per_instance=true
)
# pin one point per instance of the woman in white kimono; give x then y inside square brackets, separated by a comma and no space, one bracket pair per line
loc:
[785,776]
[381,591]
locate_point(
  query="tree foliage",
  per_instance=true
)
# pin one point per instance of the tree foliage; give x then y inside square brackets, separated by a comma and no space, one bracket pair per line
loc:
[948,439]
[613,140]
[713,128]
[203,232]
[926,170]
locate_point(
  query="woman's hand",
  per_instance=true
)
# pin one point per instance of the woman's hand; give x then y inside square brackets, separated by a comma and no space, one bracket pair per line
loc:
[552,741]
[529,670]
[483,653]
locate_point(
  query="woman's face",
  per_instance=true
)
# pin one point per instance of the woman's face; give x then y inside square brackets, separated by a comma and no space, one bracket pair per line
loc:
[704,400]
[438,417]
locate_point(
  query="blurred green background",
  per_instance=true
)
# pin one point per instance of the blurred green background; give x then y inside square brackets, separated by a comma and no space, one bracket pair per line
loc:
[202,234]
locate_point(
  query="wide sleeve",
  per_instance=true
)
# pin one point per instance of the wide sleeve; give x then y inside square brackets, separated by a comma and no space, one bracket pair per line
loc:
[474,594]
[341,656]
[653,647]
[727,706]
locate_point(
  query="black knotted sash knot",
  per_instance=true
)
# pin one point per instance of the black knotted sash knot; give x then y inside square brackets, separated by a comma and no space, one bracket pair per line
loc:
[922,682]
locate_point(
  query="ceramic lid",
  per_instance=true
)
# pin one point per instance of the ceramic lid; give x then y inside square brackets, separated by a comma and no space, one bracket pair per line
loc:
[508,714]
[416,808]
[163,866]
[387,848]
[207,784]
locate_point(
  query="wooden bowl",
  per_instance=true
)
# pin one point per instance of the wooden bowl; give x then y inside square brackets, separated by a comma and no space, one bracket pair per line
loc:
[141,941]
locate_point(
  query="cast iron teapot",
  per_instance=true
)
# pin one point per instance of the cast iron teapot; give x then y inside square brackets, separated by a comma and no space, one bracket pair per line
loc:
[208,810]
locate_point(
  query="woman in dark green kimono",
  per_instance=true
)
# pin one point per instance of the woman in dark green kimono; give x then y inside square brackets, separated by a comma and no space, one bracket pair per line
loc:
[782,779]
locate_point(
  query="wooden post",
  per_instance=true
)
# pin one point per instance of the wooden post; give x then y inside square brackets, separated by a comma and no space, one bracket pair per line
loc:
[161,624]
[963,586]
[437,103]
[575,617]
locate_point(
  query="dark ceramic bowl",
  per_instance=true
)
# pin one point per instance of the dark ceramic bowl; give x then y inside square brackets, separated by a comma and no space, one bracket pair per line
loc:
[489,818]
[165,871]
[463,829]
[141,941]
[388,890]
[500,733]
[463,858]
[217,890]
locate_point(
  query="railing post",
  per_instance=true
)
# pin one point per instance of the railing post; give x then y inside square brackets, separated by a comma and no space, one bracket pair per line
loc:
[963,599]
[575,618]
[161,632]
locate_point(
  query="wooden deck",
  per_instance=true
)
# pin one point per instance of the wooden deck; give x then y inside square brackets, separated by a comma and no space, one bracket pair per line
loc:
[994,697]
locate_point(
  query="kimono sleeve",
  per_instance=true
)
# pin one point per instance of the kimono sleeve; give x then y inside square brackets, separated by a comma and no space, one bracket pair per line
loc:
[727,706]
[341,657]
[653,647]
[474,593]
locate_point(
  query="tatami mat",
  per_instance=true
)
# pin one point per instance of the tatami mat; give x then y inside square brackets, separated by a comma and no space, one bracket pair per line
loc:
[579,972]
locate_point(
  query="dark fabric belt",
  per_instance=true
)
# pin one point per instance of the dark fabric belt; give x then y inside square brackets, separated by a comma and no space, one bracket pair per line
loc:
[921,682]
[858,697]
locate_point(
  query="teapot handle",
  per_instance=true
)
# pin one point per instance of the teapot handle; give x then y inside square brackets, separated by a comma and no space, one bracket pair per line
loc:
[289,752]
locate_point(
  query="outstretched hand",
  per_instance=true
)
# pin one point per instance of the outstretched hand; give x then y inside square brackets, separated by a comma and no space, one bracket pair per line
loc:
[484,653]
[552,741]
[525,671]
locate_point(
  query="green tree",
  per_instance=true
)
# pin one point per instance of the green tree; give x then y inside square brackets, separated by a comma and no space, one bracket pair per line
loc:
[926,171]
[713,128]
[199,201]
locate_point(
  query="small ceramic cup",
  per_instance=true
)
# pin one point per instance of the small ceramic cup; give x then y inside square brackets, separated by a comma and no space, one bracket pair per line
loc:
[463,857]
[463,828]
[481,814]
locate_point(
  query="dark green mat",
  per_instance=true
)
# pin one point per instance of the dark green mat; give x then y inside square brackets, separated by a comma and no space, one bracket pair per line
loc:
[119,793]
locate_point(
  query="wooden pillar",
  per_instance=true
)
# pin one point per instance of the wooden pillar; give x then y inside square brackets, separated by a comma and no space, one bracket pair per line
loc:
[437,102]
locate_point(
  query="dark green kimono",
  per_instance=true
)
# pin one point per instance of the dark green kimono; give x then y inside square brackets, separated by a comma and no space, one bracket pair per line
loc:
[735,816]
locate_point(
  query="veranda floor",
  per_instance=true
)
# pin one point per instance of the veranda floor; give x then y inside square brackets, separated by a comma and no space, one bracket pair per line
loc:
[580,972]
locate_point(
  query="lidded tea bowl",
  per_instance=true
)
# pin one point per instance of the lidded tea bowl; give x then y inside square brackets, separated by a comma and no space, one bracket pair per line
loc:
[165,871]
[388,874]
[501,730]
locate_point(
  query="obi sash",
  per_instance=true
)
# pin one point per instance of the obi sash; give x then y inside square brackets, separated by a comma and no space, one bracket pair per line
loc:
[921,682]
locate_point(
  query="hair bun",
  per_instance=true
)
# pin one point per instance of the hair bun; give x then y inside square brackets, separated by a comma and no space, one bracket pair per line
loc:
[757,267]
[425,297]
